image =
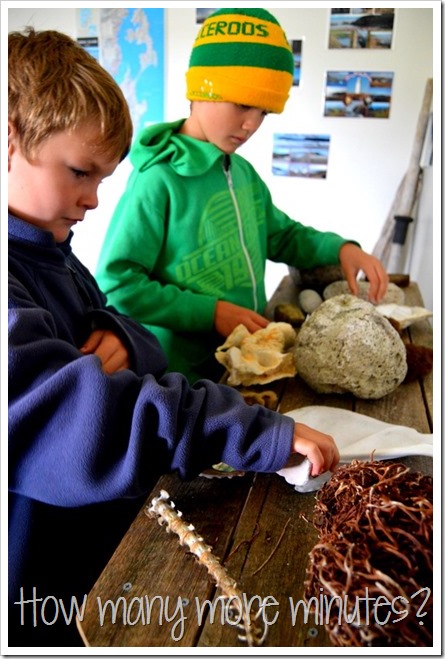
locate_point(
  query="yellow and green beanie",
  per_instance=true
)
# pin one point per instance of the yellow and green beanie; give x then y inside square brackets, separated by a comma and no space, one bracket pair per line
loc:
[241,56]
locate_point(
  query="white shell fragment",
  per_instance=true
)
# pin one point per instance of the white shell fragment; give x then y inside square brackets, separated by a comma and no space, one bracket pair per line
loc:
[402,315]
[309,300]
[348,346]
[258,358]
[394,293]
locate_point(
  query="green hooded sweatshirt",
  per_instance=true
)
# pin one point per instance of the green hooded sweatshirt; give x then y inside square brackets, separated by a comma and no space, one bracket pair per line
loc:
[195,226]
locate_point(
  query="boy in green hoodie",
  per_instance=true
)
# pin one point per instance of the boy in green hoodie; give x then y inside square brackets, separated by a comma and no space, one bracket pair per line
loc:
[185,253]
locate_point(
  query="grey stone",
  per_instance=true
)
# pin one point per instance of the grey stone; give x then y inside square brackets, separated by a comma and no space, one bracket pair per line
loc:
[309,300]
[346,345]
[394,293]
[316,278]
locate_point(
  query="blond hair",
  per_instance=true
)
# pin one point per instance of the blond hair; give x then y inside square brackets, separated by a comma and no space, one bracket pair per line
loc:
[55,85]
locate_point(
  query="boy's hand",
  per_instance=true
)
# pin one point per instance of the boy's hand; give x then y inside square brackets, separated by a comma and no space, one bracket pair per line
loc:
[228,316]
[352,260]
[110,350]
[320,449]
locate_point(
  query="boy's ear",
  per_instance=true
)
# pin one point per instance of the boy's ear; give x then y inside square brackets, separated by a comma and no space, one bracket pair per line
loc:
[11,128]
[12,133]
[12,140]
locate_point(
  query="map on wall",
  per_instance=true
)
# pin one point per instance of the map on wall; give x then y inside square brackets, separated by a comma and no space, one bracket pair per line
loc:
[129,44]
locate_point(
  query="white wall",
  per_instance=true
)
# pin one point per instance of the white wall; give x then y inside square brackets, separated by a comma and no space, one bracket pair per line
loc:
[368,157]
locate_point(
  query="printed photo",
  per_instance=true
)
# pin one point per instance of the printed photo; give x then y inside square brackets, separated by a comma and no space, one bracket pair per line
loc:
[357,94]
[202,14]
[296,45]
[361,28]
[300,155]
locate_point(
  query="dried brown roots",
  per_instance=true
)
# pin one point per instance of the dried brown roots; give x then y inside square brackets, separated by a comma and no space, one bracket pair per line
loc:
[375,523]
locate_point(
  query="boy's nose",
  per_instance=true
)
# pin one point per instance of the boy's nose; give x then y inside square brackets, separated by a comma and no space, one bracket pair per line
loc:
[253,119]
[90,199]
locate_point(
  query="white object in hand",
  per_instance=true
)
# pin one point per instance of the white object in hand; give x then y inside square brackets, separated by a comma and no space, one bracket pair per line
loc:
[358,437]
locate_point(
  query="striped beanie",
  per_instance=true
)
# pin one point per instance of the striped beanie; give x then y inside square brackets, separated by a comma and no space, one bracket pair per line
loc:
[241,56]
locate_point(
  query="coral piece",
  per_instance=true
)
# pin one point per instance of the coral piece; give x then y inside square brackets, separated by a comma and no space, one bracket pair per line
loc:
[375,523]
[162,508]
[266,397]
[347,346]
[258,358]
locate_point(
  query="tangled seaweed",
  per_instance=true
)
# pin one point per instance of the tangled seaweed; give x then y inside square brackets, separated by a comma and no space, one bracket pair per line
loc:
[372,568]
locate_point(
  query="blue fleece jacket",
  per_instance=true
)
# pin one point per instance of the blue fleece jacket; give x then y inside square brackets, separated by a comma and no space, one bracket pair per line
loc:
[86,447]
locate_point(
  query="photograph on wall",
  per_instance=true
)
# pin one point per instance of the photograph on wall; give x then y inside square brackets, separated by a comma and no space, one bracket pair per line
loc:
[202,14]
[300,155]
[357,94]
[130,45]
[361,28]
[296,45]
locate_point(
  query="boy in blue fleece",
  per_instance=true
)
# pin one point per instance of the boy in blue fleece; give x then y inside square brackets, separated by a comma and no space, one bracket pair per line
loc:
[93,418]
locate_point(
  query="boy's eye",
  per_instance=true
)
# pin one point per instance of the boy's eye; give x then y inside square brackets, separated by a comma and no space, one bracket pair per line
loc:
[78,173]
[250,107]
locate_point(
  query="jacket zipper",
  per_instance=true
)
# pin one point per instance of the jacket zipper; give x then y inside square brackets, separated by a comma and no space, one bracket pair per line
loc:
[227,172]
[82,291]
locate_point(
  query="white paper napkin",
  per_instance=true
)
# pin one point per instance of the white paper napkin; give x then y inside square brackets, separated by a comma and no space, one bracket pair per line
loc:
[358,437]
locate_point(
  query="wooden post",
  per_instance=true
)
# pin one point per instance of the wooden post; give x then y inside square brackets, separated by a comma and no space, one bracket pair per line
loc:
[408,189]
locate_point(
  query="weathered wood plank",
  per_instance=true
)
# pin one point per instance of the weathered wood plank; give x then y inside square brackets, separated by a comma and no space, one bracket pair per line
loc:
[269,559]
[298,394]
[154,564]
[422,334]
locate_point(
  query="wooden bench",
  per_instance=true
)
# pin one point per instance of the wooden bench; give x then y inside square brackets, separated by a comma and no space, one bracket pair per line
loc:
[257,525]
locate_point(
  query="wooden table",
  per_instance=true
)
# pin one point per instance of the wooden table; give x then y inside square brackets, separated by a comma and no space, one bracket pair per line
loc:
[256,526]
